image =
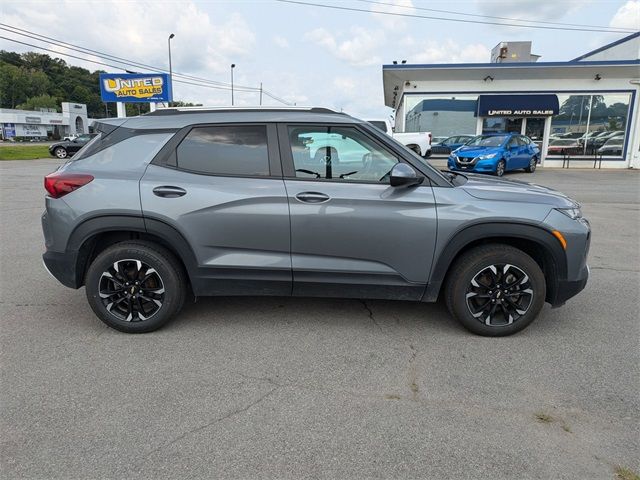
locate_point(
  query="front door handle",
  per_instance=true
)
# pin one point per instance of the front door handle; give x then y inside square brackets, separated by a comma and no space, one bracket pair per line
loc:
[312,197]
[168,191]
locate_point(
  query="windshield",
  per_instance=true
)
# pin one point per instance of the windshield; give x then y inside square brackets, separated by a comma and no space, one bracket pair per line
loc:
[487,141]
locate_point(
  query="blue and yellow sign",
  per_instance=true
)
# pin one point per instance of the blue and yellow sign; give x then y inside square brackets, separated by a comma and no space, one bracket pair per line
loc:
[135,87]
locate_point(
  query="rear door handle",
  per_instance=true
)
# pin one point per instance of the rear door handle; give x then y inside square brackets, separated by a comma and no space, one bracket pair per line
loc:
[168,191]
[312,197]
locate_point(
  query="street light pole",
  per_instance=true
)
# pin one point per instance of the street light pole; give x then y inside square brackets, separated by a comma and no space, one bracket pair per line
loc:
[233,65]
[170,69]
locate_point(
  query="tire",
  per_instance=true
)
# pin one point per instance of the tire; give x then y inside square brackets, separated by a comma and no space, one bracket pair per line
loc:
[501,167]
[142,307]
[533,163]
[463,298]
[60,152]
[416,149]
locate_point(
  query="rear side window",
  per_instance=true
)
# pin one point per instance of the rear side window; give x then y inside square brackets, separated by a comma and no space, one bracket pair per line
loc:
[225,150]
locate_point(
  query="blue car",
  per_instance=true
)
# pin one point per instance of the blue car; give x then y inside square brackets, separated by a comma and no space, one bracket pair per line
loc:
[496,153]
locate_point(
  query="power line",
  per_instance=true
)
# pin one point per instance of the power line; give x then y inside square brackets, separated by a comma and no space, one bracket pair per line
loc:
[119,67]
[446,19]
[617,29]
[124,61]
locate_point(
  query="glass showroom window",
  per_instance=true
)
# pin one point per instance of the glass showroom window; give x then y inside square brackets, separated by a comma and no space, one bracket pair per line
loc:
[588,122]
[442,116]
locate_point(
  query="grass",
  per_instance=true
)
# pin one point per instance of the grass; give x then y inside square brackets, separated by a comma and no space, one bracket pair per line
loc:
[626,474]
[24,152]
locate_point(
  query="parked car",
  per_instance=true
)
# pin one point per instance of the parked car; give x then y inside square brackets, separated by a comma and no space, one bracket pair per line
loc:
[71,137]
[601,139]
[496,153]
[449,144]
[613,146]
[419,142]
[231,202]
[564,147]
[69,148]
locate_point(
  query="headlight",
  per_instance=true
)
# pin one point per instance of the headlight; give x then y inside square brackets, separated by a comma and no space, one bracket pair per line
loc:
[487,156]
[573,213]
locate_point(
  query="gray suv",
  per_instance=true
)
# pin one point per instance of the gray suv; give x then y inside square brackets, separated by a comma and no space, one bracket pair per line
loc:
[299,202]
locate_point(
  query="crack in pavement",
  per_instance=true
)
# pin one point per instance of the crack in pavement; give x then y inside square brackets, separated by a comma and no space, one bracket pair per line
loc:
[371,316]
[206,425]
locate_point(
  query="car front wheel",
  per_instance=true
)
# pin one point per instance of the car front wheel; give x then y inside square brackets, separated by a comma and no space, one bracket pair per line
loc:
[495,290]
[136,286]
[60,152]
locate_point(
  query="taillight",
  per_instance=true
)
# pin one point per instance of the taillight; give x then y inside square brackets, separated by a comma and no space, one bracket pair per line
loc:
[430,136]
[58,184]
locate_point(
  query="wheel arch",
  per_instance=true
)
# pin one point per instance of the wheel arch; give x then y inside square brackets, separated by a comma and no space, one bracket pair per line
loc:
[96,234]
[535,241]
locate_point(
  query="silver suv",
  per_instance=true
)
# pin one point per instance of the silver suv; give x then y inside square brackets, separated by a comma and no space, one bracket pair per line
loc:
[302,202]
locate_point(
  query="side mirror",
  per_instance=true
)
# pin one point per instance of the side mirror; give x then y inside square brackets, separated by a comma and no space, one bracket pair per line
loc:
[403,175]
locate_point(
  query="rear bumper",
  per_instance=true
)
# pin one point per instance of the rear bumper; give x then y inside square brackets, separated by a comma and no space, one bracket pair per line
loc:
[62,266]
[567,289]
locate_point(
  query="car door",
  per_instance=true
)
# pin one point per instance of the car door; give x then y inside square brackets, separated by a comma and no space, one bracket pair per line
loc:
[516,154]
[220,187]
[352,234]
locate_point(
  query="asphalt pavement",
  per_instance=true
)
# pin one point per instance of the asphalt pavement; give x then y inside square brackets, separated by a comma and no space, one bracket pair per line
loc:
[320,388]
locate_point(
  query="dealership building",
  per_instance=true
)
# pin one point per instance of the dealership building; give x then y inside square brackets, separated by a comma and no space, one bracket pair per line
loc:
[578,99]
[44,123]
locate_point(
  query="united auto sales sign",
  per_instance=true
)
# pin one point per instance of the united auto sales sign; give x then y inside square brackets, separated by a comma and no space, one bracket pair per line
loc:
[517,113]
[135,87]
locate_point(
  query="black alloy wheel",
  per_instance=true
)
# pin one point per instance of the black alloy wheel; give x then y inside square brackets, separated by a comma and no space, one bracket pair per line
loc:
[499,295]
[131,290]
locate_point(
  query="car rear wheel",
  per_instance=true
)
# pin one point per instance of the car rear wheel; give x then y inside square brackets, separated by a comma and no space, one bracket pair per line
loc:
[533,163]
[500,168]
[60,152]
[495,290]
[136,286]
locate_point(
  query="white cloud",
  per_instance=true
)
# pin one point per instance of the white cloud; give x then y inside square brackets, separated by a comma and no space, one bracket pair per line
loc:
[393,22]
[627,16]
[280,41]
[201,47]
[552,11]
[359,50]
[448,51]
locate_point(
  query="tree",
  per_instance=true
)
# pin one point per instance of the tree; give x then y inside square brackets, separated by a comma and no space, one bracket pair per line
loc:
[41,101]
[13,85]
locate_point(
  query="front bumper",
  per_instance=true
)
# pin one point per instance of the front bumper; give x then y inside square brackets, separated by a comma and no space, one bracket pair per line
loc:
[479,166]
[567,289]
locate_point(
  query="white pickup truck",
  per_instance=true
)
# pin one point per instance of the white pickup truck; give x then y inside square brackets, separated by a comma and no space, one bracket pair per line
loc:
[419,142]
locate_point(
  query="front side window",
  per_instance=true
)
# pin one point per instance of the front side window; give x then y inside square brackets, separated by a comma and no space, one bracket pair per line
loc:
[338,153]
[225,150]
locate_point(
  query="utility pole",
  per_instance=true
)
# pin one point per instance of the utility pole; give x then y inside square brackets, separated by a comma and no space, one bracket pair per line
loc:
[170,69]
[233,65]
[260,93]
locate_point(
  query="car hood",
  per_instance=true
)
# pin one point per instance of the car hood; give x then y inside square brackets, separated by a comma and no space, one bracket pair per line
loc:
[474,151]
[492,188]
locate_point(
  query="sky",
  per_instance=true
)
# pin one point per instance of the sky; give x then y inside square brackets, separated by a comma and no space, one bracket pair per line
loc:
[304,54]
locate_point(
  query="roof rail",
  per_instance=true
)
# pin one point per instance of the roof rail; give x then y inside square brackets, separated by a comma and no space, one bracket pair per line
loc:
[179,110]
